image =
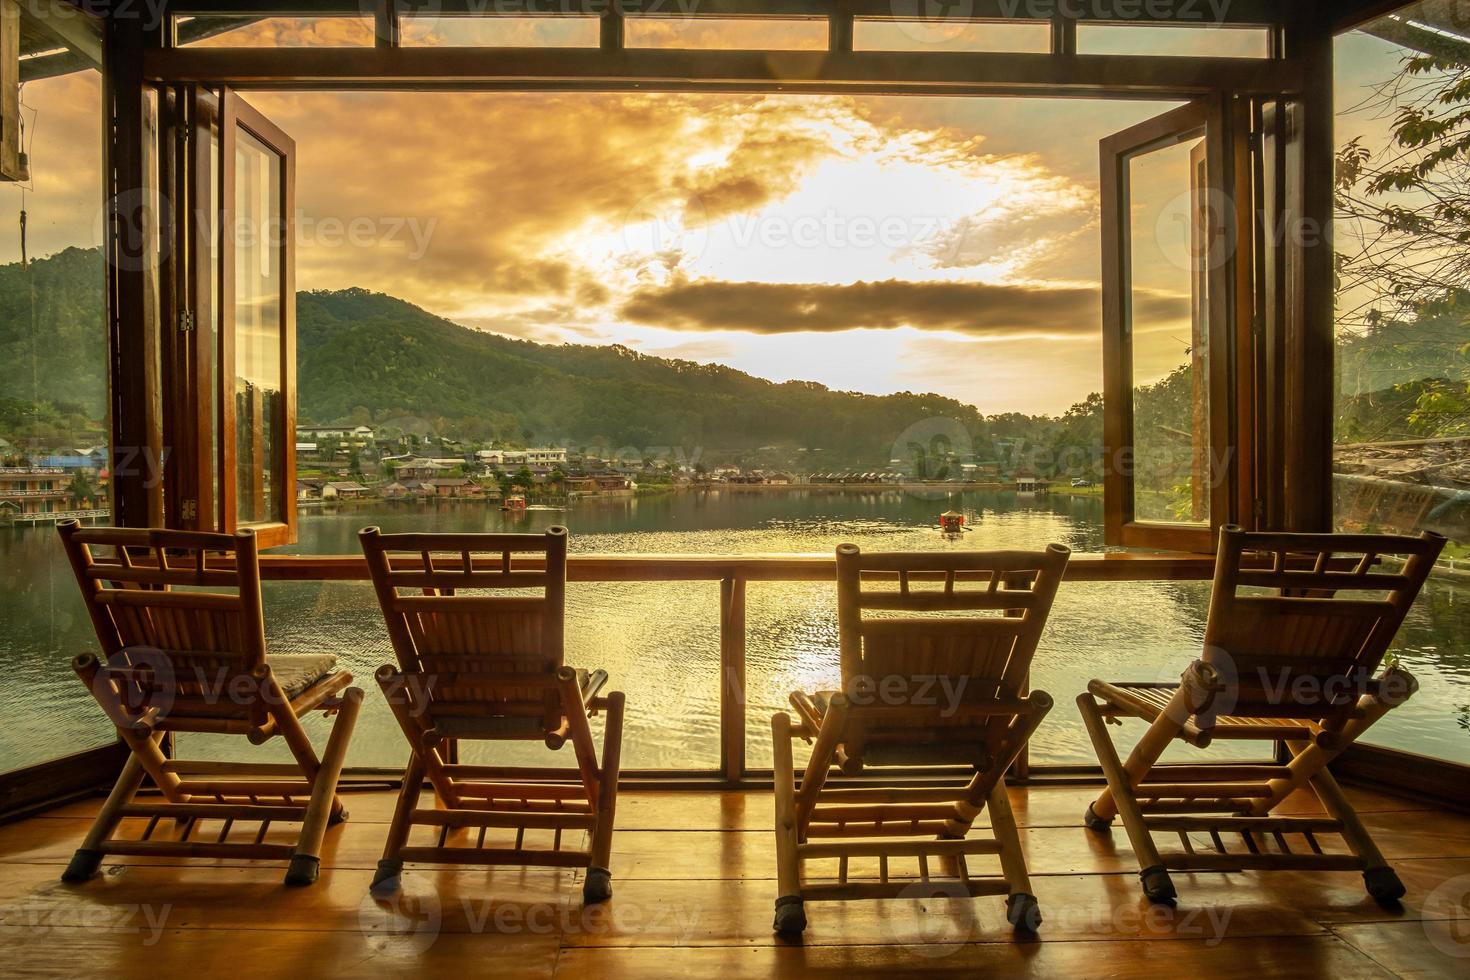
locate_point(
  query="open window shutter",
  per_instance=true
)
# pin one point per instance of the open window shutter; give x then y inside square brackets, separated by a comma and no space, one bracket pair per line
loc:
[232,361]
[1173,262]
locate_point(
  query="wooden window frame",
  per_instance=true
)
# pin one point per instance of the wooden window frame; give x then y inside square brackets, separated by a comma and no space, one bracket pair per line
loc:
[1227,330]
[237,114]
[198,316]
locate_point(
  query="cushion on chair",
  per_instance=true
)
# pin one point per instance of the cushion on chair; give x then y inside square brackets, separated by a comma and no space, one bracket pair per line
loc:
[295,672]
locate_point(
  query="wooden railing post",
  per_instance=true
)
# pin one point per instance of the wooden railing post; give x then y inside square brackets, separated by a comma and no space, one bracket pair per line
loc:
[732,678]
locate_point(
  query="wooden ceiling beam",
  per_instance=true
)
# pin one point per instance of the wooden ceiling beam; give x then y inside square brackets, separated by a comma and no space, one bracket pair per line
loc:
[1181,12]
[939,72]
[59,22]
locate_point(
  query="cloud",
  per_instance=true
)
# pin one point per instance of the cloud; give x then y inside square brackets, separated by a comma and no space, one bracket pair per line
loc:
[528,195]
[976,309]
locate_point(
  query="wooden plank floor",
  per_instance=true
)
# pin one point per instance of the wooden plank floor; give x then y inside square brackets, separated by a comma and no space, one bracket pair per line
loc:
[693,889]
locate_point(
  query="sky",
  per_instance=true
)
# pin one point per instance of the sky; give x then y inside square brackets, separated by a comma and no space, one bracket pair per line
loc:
[876,244]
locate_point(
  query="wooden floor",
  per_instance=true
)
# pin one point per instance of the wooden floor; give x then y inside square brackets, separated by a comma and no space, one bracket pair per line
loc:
[693,892]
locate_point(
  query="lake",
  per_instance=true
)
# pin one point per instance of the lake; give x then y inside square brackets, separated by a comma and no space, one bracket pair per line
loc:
[660,641]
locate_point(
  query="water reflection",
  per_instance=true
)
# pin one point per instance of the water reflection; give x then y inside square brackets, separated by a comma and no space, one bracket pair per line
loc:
[660,641]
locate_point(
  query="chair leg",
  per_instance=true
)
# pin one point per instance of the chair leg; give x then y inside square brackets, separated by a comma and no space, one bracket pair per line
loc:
[1022,910]
[598,885]
[88,857]
[790,912]
[391,865]
[1382,882]
[306,862]
[1157,885]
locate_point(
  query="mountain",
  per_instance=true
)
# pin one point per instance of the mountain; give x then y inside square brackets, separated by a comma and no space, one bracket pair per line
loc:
[362,350]
[365,356]
[53,327]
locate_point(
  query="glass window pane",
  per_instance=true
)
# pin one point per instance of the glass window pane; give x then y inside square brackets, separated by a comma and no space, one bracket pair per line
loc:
[1401,460]
[732,33]
[1139,39]
[935,35]
[432,30]
[259,398]
[1169,339]
[234,31]
[54,426]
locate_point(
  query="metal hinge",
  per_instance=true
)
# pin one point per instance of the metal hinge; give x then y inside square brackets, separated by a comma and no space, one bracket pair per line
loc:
[186,321]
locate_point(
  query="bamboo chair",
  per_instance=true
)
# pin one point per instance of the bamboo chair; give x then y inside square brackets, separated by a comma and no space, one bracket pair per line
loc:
[490,667]
[196,661]
[891,713]
[1291,661]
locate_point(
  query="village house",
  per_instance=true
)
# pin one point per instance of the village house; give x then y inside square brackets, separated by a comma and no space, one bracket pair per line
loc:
[423,468]
[308,490]
[344,491]
[546,457]
[615,486]
[1031,483]
[34,489]
[356,436]
[455,487]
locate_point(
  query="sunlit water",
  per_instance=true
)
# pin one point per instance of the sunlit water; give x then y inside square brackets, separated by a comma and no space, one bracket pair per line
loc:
[660,641]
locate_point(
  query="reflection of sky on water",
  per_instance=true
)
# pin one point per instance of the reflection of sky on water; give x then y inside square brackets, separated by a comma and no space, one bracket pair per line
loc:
[660,641]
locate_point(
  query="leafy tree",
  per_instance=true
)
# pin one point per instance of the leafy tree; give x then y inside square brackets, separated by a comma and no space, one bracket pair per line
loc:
[1404,215]
[1405,206]
[81,490]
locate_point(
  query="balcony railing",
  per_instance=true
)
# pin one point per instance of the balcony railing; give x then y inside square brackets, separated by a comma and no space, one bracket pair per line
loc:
[732,573]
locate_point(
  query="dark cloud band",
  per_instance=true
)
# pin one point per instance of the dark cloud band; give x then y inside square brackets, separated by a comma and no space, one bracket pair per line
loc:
[973,308]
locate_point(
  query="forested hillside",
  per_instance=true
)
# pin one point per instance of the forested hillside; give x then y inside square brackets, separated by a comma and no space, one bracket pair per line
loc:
[367,357]
[366,354]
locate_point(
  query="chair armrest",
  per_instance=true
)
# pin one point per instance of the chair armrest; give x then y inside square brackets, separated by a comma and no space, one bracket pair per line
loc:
[327,687]
[809,711]
[596,681]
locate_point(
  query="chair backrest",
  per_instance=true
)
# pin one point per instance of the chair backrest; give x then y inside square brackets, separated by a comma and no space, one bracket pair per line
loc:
[495,652]
[189,645]
[950,628]
[1010,591]
[1299,623]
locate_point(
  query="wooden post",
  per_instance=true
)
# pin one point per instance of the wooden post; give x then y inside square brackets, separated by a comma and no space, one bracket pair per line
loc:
[11,165]
[132,313]
[732,678]
[839,32]
[385,24]
[1063,35]
[1310,340]
[610,30]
